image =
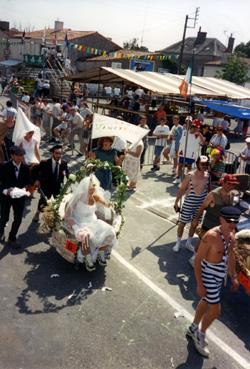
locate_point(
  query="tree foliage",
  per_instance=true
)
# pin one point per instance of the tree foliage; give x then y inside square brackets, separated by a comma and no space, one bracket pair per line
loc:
[243,49]
[133,45]
[235,70]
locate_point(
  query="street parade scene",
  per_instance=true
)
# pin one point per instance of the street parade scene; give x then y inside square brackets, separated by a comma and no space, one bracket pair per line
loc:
[124,185]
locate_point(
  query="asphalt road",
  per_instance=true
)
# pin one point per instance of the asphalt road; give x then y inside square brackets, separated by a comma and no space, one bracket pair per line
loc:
[53,317]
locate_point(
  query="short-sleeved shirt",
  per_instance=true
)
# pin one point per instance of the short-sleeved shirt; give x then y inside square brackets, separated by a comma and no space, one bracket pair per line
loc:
[105,155]
[246,152]
[176,133]
[161,130]
[160,114]
[218,140]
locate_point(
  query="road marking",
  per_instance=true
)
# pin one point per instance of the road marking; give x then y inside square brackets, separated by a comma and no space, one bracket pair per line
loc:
[222,345]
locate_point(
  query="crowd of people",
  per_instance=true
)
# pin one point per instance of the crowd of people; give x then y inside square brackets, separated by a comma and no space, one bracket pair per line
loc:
[187,144]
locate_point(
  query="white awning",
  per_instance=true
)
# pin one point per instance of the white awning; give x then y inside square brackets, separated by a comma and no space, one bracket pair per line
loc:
[161,84]
[164,84]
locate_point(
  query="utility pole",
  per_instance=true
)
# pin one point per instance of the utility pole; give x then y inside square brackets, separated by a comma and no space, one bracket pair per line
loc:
[193,25]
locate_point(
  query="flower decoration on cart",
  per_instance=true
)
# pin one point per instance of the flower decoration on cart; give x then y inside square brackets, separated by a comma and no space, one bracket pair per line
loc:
[65,242]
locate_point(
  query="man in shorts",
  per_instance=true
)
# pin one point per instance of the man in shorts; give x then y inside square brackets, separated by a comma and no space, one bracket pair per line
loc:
[161,133]
[215,200]
[214,260]
[195,187]
[191,140]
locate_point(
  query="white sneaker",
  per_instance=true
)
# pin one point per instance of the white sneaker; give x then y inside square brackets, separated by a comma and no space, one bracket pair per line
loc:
[89,263]
[177,181]
[191,261]
[177,246]
[201,345]
[189,246]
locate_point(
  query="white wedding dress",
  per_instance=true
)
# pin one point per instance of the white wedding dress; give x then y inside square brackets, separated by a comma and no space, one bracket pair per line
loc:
[83,217]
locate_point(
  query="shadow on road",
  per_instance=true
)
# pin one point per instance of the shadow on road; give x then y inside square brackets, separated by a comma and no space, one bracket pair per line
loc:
[177,271]
[53,284]
[194,360]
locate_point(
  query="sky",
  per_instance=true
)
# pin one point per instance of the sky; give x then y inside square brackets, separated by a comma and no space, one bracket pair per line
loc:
[156,23]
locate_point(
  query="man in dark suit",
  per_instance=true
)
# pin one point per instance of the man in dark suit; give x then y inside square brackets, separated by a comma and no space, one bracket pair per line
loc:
[13,174]
[50,175]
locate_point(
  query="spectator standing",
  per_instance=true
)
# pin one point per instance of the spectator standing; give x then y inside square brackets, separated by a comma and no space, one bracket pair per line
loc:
[9,117]
[131,164]
[205,130]
[161,133]
[143,124]
[189,149]
[76,126]
[219,140]
[175,137]
[245,155]
[160,114]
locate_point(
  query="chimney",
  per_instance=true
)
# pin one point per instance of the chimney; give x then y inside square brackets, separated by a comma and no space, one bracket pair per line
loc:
[230,44]
[200,38]
[58,26]
[4,26]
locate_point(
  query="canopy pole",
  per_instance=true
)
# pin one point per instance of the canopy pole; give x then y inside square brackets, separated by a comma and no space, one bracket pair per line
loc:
[189,113]
[98,89]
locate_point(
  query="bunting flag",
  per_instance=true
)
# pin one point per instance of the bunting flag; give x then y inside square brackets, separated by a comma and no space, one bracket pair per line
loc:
[91,51]
[185,83]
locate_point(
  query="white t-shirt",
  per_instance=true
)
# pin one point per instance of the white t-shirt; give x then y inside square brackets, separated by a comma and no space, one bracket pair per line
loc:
[108,90]
[193,145]
[161,130]
[117,91]
[77,121]
[139,92]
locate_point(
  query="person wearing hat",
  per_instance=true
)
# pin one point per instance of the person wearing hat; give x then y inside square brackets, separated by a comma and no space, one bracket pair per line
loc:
[49,175]
[189,149]
[195,187]
[213,203]
[13,173]
[245,155]
[214,260]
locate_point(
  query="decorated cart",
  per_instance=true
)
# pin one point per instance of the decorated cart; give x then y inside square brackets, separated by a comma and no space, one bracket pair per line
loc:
[242,257]
[53,218]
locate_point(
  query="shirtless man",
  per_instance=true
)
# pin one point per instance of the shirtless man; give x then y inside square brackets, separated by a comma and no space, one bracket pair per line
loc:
[195,186]
[213,261]
[213,203]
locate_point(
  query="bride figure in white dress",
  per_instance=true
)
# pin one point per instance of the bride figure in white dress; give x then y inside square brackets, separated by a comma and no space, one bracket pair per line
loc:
[96,236]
